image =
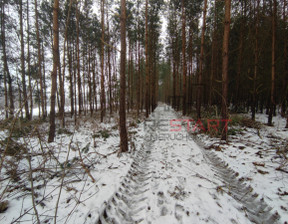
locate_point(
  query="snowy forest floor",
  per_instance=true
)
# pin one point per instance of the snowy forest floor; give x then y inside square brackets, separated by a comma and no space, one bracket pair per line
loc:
[170,176]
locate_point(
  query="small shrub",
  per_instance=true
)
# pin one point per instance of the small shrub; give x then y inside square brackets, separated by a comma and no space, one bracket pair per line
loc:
[25,127]
[64,131]
[236,120]
[21,131]
[13,148]
[12,169]
[246,122]
[133,124]
[105,134]
[102,133]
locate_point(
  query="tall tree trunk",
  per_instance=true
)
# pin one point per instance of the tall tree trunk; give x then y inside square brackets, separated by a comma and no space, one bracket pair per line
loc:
[138,82]
[129,76]
[142,86]
[61,75]
[39,108]
[190,59]
[55,68]
[29,61]
[44,84]
[224,108]
[200,86]
[131,79]
[94,82]
[84,82]
[6,97]
[5,76]
[272,97]
[71,87]
[25,99]
[39,58]
[142,80]
[90,81]
[103,102]
[153,71]
[178,76]
[213,57]
[75,73]
[80,98]
[20,96]
[240,56]
[184,65]
[109,67]
[174,84]
[256,59]
[285,77]
[286,62]
[122,111]
[5,63]
[147,68]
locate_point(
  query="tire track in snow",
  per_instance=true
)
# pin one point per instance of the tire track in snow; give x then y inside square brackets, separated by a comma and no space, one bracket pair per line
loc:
[140,198]
[256,209]
[128,203]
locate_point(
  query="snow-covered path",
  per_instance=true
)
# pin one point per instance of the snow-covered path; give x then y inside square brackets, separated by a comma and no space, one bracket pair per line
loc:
[172,180]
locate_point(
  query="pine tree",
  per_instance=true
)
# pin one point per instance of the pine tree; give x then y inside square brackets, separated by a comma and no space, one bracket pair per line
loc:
[24,89]
[55,69]
[224,109]
[122,111]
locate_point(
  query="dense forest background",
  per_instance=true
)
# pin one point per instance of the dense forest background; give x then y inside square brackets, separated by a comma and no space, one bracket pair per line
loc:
[185,69]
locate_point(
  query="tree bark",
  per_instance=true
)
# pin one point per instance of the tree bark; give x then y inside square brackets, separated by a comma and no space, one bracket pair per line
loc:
[79,85]
[224,108]
[129,76]
[6,97]
[62,74]
[184,65]
[272,97]
[5,63]
[25,99]
[190,62]
[213,57]
[90,81]
[138,78]
[55,69]
[44,83]
[29,61]
[109,68]
[256,59]
[147,69]
[174,84]
[286,64]
[122,111]
[94,83]
[200,86]
[103,103]
[240,57]
[39,58]
[71,87]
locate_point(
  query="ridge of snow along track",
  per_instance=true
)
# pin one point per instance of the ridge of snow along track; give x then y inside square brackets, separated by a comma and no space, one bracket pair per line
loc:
[256,209]
[173,180]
